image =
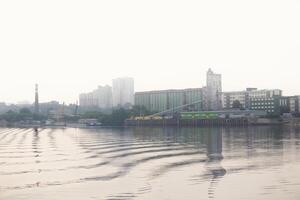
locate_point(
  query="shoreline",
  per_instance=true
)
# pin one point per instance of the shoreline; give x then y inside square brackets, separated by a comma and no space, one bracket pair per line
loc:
[153,126]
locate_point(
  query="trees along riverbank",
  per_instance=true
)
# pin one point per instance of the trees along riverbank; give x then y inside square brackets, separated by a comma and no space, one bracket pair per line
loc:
[115,118]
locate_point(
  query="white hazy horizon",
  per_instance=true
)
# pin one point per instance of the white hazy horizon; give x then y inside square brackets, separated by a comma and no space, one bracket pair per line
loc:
[71,47]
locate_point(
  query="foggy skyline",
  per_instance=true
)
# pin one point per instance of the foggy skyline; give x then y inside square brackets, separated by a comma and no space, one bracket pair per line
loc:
[71,47]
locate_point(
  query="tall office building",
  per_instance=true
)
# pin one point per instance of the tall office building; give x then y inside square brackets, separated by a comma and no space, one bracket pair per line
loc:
[123,92]
[213,91]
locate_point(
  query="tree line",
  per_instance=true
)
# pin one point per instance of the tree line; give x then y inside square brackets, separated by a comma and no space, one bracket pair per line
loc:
[115,118]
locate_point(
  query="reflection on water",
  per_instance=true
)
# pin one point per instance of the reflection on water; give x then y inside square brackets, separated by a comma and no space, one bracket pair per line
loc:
[150,163]
[214,155]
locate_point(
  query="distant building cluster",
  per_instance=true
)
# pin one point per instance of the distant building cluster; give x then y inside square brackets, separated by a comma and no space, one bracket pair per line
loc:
[212,98]
[207,98]
[121,94]
[196,99]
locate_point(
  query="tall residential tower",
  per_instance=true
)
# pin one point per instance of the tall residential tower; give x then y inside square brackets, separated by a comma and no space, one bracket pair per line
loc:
[123,92]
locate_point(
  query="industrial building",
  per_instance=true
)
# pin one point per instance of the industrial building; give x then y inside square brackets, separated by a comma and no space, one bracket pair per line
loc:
[206,98]
[210,106]
[161,100]
[36,102]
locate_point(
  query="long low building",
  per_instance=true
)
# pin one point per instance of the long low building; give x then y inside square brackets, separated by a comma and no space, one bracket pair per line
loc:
[244,97]
[158,101]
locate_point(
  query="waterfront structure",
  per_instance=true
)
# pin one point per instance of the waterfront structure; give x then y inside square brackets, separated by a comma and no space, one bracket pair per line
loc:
[275,105]
[213,91]
[244,97]
[161,100]
[36,102]
[226,114]
[100,98]
[123,92]
[203,118]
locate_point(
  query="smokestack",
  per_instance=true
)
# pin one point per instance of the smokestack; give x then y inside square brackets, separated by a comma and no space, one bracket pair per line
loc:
[36,103]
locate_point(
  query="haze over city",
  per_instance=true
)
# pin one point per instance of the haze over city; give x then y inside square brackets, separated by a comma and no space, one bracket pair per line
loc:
[149,100]
[70,47]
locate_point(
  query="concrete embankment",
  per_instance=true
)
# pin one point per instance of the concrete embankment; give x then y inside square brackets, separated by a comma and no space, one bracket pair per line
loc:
[183,122]
[209,122]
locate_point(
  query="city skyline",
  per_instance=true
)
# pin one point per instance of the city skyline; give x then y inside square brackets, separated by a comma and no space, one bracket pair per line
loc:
[76,99]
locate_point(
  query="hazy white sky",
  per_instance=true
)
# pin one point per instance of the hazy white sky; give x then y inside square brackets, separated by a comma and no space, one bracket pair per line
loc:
[72,46]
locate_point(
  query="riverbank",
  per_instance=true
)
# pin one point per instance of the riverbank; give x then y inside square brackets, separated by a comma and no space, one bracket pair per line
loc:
[210,122]
[171,122]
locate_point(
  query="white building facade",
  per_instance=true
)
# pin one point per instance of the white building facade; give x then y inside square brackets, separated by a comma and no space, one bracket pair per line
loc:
[244,97]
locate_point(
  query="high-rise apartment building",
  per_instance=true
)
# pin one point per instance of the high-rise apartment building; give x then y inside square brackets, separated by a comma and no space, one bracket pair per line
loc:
[104,96]
[123,92]
[101,98]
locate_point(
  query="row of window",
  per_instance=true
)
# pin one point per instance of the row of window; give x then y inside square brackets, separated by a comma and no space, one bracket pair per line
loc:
[263,107]
[259,108]
[262,99]
[263,103]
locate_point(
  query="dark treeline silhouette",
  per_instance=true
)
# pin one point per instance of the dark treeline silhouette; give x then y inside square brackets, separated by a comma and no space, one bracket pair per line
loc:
[23,114]
[117,116]
[114,118]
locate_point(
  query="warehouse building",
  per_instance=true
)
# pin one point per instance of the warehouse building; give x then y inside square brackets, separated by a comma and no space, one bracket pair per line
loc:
[158,101]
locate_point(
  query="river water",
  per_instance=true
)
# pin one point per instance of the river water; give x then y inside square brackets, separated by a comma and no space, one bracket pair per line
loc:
[150,163]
